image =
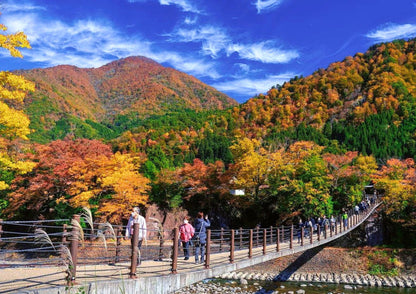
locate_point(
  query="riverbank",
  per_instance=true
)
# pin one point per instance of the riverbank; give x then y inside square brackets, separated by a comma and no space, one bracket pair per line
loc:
[367,266]
[322,267]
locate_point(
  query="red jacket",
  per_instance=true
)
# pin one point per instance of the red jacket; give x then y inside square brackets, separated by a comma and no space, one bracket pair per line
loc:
[186,232]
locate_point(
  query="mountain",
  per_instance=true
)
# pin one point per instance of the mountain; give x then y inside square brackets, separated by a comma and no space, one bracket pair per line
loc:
[367,102]
[131,85]
[368,83]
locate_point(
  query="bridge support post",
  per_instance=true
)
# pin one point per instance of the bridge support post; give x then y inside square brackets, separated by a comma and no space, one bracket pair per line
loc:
[64,233]
[241,238]
[277,240]
[175,250]
[271,235]
[311,235]
[232,246]
[134,250]
[319,232]
[221,238]
[257,236]
[350,221]
[73,249]
[291,238]
[118,244]
[336,228]
[208,249]
[250,244]
[1,227]
[264,241]
[326,231]
[302,234]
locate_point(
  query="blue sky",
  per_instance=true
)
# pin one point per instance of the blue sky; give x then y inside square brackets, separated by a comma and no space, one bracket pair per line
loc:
[240,47]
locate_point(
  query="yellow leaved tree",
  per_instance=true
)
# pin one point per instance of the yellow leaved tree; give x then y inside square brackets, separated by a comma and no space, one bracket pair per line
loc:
[13,122]
[110,184]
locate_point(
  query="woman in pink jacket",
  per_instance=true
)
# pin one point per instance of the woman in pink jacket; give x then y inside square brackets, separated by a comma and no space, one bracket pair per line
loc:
[186,232]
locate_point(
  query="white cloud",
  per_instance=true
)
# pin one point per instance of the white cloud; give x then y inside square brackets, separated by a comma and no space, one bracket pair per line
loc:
[251,87]
[215,40]
[184,4]
[189,65]
[393,31]
[87,43]
[264,52]
[84,43]
[11,7]
[243,67]
[190,20]
[266,5]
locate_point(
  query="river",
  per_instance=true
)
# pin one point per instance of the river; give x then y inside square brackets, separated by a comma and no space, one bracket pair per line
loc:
[216,286]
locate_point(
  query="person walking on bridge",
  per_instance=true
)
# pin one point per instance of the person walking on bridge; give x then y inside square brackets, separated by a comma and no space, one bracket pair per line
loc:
[186,232]
[200,238]
[345,219]
[137,218]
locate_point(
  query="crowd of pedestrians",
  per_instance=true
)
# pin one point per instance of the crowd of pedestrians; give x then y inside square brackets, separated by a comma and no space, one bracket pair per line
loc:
[311,224]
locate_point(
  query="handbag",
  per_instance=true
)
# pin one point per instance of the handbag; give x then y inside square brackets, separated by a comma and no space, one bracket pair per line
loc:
[195,238]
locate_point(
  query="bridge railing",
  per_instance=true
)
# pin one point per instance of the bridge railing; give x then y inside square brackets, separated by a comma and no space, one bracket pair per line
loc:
[58,242]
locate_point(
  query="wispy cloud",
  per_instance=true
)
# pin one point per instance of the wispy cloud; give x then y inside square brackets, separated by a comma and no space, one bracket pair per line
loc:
[189,65]
[264,52]
[190,20]
[393,31]
[83,43]
[266,5]
[215,40]
[251,87]
[185,5]
[11,7]
[87,43]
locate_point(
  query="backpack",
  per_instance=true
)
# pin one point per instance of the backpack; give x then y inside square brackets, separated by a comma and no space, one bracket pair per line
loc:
[182,235]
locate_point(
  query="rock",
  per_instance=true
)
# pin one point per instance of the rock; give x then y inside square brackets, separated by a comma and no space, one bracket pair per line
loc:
[300,291]
[243,281]
[348,287]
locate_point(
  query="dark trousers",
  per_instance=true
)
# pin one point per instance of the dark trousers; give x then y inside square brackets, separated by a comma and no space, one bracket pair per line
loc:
[200,249]
[185,246]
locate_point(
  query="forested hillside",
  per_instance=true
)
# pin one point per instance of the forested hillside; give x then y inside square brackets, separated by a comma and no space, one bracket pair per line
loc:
[84,101]
[305,148]
[365,103]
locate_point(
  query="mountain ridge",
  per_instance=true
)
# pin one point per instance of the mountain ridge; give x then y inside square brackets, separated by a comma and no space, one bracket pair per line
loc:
[132,84]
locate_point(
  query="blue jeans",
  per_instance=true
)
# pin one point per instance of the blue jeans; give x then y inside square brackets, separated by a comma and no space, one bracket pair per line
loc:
[185,246]
[200,249]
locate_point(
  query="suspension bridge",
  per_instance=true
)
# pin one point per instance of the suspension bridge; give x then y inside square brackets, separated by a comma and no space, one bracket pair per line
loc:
[49,256]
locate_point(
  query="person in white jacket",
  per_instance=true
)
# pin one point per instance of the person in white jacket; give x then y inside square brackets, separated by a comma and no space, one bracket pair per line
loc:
[135,217]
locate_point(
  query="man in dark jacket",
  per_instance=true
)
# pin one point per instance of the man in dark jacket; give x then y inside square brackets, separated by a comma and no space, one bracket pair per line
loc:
[200,238]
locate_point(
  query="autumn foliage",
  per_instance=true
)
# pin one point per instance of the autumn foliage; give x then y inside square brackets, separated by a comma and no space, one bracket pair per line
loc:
[137,133]
[79,173]
[14,124]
